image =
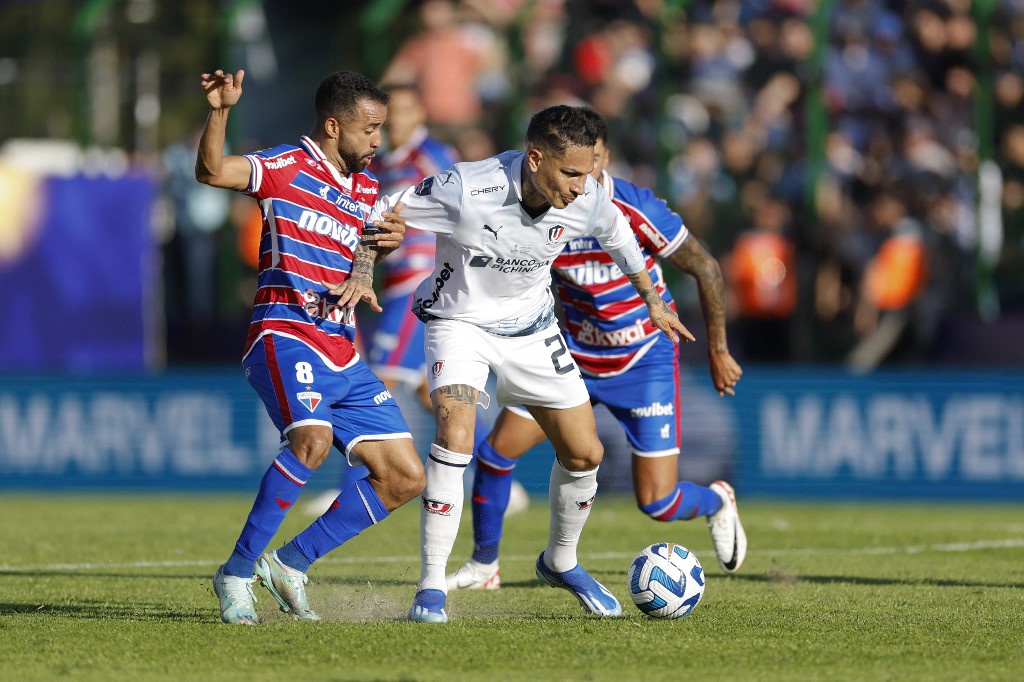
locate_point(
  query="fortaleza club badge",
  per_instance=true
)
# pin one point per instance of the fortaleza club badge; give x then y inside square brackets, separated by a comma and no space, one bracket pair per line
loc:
[310,399]
[554,233]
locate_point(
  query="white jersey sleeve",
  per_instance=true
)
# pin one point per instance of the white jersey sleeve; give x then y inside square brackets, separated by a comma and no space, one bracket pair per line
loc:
[434,205]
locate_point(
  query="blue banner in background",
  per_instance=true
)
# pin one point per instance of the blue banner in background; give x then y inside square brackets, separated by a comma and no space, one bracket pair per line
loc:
[788,433]
[888,435]
[77,290]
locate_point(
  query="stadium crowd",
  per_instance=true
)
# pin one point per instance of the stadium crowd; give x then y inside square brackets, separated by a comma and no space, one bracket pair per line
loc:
[829,162]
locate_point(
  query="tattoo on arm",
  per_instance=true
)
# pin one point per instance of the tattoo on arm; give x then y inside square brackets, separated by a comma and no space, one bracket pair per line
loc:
[362,264]
[693,259]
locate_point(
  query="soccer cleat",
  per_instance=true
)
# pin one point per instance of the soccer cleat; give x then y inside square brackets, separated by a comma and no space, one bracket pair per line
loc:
[287,585]
[726,530]
[428,607]
[594,596]
[237,602]
[475,576]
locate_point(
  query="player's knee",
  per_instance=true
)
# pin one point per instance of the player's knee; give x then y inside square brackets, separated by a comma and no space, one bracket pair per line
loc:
[584,459]
[402,480]
[310,445]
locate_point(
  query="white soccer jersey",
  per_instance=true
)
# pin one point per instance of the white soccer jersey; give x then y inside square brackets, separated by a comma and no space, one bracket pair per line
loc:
[493,260]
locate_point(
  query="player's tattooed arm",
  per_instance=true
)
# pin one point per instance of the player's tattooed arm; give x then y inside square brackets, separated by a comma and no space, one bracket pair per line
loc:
[663,317]
[693,259]
[359,285]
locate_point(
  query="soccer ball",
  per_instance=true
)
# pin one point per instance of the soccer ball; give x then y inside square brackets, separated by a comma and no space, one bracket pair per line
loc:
[666,581]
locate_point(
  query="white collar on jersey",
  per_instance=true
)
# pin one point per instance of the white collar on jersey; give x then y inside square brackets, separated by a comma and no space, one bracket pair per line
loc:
[399,154]
[608,183]
[516,176]
[313,150]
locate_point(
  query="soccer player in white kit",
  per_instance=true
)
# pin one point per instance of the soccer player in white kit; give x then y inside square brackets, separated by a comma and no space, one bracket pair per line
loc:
[488,307]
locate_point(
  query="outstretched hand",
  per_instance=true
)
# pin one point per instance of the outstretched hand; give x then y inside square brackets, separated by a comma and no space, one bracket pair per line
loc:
[665,319]
[222,89]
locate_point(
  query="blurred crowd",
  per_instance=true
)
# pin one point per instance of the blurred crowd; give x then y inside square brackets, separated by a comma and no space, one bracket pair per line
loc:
[858,171]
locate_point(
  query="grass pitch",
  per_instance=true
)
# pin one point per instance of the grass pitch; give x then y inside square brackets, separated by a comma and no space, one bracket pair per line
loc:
[117,588]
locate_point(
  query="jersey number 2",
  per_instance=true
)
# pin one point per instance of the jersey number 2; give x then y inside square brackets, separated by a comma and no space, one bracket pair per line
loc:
[556,357]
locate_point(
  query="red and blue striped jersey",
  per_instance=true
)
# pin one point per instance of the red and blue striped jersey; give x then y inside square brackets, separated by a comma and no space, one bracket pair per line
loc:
[422,156]
[313,219]
[607,324]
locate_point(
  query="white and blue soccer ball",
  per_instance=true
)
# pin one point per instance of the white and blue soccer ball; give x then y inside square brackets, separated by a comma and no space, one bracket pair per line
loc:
[666,581]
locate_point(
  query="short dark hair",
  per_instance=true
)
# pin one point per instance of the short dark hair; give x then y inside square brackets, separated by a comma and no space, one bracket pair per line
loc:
[561,126]
[340,92]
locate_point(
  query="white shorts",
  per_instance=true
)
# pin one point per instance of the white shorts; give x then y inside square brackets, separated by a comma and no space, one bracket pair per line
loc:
[530,370]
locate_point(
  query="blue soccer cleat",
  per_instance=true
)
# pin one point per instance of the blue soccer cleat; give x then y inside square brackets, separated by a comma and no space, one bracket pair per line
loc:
[428,607]
[594,596]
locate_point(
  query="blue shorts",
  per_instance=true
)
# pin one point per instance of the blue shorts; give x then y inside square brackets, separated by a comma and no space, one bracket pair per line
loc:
[645,400]
[299,388]
[396,347]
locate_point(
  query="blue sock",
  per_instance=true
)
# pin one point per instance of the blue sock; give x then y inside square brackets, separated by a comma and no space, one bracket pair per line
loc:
[491,485]
[358,507]
[278,491]
[350,475]
[687,501]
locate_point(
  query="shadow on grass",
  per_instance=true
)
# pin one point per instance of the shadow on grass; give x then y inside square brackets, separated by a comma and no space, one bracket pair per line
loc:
[106,611]
[781,578]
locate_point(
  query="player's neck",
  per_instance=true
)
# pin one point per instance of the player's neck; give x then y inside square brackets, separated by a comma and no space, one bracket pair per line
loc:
[533,201]
[332,158]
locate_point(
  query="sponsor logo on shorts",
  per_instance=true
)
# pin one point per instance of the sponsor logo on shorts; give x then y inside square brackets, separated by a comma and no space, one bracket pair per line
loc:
[554,233]
[666,430]
[654,410]
[310,399]
[436,368]
[585,504]
[438,507]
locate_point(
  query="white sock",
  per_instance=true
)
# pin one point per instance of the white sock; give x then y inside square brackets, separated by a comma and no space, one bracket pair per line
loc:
[440,514]
[571,495]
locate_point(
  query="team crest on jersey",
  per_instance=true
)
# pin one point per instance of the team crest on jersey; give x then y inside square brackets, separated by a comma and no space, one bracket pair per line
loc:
[437,507]
[436,368]
[423,189]
[554,233]
[310,399]
[586,504]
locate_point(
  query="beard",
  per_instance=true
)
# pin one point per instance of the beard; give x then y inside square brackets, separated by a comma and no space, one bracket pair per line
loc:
[354,163]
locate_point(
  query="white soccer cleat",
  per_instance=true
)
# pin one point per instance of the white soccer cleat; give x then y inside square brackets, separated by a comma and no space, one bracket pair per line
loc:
[237,602]
[475,576]
[287,585]
[726,530]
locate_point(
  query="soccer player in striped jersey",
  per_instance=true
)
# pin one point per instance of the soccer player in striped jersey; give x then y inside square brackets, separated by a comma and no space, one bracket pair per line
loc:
[316,263]
[488,308]
[631,368]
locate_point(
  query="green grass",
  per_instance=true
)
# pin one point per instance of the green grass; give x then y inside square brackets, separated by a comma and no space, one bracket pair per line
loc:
[118,588]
